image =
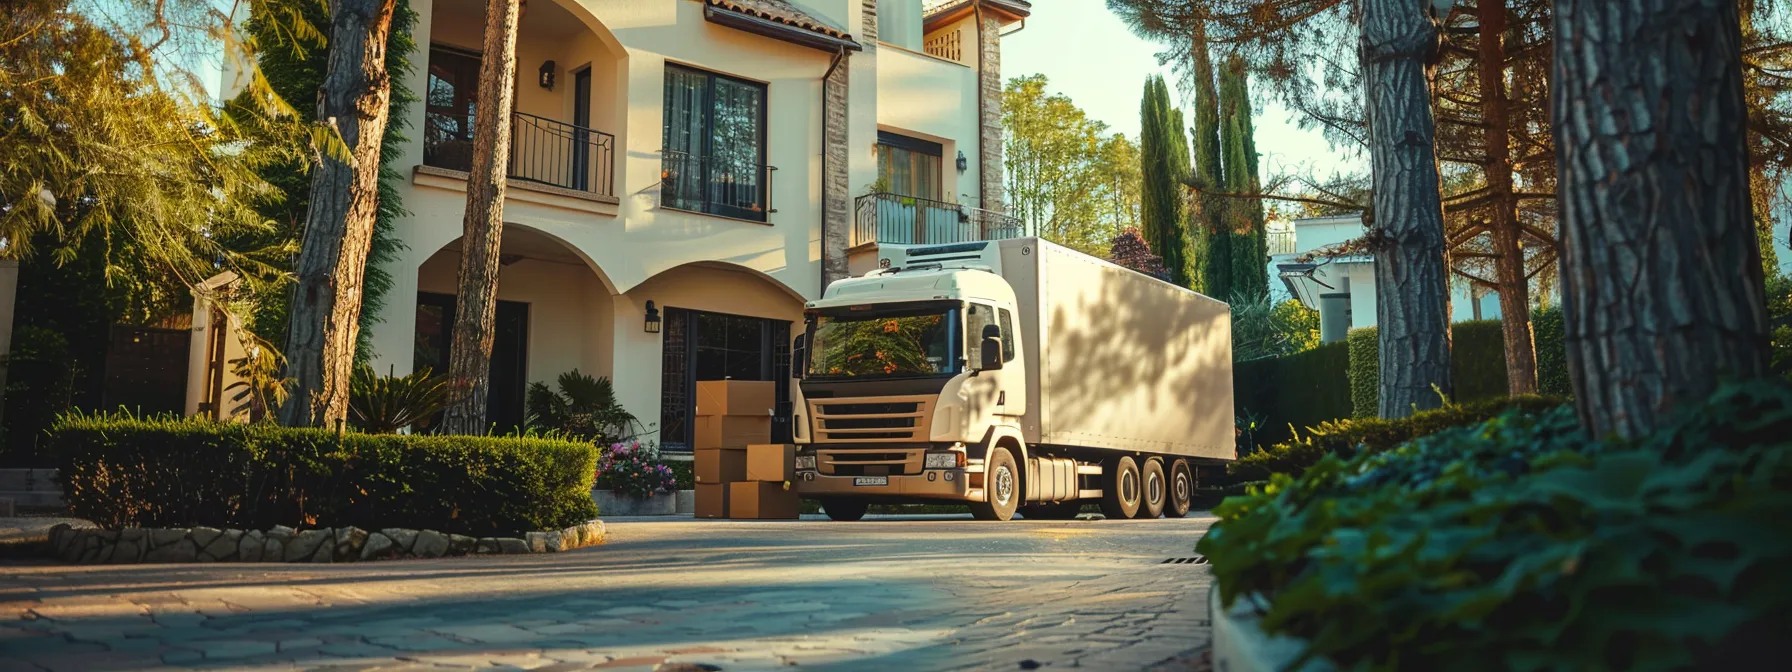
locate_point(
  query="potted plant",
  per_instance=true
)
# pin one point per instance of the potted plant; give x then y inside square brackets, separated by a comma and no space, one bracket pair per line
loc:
[631,481]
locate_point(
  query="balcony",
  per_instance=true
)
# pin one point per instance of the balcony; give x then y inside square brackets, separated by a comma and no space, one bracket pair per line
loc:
[716,185]
[542,151]
[905,220]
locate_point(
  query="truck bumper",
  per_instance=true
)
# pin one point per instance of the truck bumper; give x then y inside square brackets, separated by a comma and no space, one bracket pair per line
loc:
[944,484]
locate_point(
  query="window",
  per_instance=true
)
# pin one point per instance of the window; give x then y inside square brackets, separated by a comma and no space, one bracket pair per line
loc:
[714,152]
[1007,336]
[732,347]
[909,166]
[977,318]
[450,99]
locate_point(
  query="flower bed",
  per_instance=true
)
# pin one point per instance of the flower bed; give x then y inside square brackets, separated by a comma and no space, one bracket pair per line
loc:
[633,470]
[1522,544]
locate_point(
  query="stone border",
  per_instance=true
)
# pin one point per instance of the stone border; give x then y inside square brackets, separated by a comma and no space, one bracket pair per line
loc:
[1240,646]
[284,544]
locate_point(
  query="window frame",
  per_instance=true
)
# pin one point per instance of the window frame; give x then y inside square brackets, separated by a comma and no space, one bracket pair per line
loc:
[916,149]
[764,177]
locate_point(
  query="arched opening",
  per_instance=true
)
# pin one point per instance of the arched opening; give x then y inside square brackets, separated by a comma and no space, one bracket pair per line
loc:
[570,94]
[555,314]
[720,322]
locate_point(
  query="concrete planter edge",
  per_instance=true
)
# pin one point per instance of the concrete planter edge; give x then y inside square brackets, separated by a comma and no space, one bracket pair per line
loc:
[611,505]
[1240,646]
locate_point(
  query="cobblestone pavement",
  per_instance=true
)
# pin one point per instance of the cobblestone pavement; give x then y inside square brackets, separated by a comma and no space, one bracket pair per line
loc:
[917,593]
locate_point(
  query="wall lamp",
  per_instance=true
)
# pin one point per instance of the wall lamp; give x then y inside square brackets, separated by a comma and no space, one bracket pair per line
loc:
[652,325]
[547,75]
[962,164]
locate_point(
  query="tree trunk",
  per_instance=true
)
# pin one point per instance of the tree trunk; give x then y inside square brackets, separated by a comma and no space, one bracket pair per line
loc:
[476,300]
[1407,216]
[324,319]
[1514,288]
[1661,274]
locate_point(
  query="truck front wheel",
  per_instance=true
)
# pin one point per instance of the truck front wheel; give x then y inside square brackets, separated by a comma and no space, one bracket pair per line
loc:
[842,509]
[1120,488]
[1001,487]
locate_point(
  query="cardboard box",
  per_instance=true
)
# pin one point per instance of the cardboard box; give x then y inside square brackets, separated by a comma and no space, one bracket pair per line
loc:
[720,465]
[736,397]
[712,500]
[773,462]
[732,431]
[763,501]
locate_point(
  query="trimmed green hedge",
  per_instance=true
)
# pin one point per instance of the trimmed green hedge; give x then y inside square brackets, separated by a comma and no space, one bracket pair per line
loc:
[1521,543]
[1549,334]
[1298,390]
[1348,437]
[128,472]
[1477,365]
[1365,372]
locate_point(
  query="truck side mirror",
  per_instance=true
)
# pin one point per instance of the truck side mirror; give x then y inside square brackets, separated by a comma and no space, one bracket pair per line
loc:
[992,354]
[799,356]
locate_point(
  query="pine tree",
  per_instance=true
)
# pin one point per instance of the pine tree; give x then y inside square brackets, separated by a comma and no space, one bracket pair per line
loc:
[1209,217]
[1163,161]
[1249,245]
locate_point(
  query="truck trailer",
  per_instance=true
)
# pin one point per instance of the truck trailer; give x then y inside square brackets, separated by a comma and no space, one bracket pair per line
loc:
[1013,376]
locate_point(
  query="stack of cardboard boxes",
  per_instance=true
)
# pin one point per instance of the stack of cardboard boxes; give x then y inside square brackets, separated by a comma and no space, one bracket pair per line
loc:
[739,472]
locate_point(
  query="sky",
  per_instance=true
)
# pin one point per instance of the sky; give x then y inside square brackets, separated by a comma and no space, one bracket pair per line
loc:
[1087,54]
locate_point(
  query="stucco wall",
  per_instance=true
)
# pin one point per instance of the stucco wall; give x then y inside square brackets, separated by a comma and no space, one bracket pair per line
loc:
[569,315]
[933,99]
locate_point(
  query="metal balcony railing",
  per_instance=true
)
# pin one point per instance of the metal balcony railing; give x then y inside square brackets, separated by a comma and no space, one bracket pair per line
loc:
[542,150]
[1280,242]
[718,185]
[906,220]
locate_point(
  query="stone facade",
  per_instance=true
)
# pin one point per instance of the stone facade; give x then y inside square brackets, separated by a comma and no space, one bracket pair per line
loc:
[836,229]
[989,82]
[284,544]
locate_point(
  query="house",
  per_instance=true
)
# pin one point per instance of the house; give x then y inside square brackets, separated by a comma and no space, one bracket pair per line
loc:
[1342,288]
[684,174]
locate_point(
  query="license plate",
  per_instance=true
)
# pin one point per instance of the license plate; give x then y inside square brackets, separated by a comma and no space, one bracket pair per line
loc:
[871,480]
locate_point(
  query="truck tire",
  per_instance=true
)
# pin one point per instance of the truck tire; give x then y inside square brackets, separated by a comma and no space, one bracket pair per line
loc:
[1056,511]
[844,509]
[1120,488]
[1153,489]
[1001,487]
[1182,489]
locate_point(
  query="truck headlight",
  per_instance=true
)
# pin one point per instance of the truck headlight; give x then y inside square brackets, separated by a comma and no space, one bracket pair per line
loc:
[944,460]
[805,462]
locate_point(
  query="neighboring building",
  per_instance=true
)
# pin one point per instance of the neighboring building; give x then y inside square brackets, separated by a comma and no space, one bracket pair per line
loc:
[704,163]
[1342,288]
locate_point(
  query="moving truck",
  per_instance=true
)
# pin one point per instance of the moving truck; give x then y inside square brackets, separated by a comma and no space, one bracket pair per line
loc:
[1015,376]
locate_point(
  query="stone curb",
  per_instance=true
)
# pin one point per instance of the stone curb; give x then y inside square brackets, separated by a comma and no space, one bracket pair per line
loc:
[1240,646]
[284,544]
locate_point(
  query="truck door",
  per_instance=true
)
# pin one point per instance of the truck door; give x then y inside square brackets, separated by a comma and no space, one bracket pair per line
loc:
[990,391]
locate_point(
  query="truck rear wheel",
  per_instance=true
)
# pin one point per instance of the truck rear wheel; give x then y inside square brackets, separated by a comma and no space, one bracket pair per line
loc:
[1154,489]
[1182,489]
[843,509]
[1001,487]
[1120,488]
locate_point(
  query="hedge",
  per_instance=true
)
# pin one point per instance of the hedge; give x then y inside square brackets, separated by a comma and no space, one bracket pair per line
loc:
[1300,390]
[1349,437]
[1477,365]
[129,472]
[1521,543]
[1549,334]
[1365,373]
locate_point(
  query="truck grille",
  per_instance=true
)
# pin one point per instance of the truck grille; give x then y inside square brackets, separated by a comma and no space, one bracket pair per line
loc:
[904,419]
[870,463]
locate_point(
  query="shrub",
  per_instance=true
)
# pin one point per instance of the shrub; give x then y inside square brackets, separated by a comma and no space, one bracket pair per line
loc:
[1365,372]
[1346,438]
[385,404]
[633,470]
[585,408]
[1522,544]
[123,472]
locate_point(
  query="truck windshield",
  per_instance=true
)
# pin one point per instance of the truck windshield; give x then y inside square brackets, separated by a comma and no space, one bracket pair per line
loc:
[907,342]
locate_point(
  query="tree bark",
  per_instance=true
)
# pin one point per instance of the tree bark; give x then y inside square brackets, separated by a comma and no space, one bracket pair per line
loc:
[324,318]
[476,299]
[1662,286]
[1514,288]
[1407,226]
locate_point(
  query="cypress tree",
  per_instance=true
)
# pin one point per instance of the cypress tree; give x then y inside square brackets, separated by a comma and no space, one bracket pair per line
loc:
[1249,247]
[1209,217]
[1163,167]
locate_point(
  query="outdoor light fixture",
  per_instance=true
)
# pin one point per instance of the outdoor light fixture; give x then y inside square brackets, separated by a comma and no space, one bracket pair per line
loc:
[962,164]
[547,75]
[652,325]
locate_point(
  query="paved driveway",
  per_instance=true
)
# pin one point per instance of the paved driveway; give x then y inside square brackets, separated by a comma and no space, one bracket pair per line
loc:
[914,593]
